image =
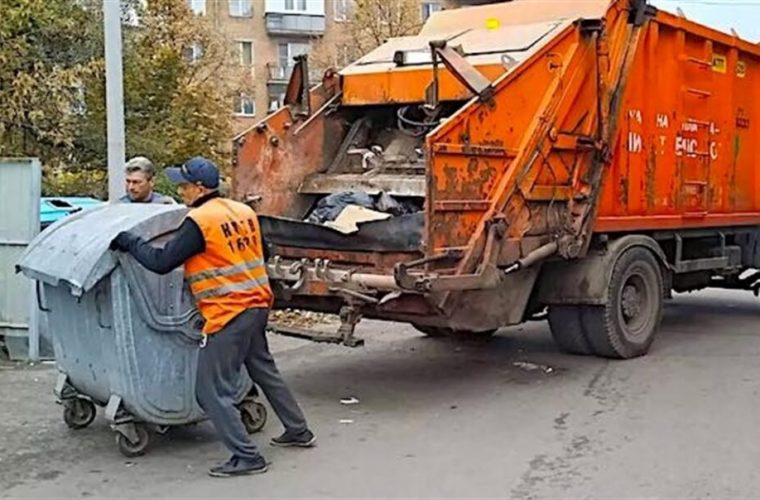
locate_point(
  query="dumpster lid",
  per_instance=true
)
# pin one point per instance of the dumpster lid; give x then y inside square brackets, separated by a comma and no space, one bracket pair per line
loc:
[75,251]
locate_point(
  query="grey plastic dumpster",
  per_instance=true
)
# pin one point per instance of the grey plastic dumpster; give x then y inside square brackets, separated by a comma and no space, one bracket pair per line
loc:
[124,338]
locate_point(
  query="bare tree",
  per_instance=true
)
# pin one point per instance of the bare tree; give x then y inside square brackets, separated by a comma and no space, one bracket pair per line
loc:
[369,24]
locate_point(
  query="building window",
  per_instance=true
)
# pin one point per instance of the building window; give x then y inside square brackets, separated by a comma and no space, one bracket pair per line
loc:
[245,105]
[276,101]
[428,8]
[194,52]
[241,8]
[342,9]
[246,53]
[285,54]
[197,6]
[297,5]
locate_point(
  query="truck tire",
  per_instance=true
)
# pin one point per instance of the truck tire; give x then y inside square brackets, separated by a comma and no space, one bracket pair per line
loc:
[625,327]
[567,329]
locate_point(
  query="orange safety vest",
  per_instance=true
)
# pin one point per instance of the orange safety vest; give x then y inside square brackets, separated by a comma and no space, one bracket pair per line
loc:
[230,275]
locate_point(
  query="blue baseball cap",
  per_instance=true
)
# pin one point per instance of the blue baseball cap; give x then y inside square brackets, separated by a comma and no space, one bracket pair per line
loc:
[197,170]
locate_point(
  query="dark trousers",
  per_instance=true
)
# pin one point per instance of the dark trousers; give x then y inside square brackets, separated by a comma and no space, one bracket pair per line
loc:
[242,342]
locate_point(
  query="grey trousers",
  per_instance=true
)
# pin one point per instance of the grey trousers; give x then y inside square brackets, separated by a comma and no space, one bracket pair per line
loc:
[242,342]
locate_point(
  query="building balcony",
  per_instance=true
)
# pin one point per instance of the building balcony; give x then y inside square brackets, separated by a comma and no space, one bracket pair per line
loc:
[293,24]
[279,73]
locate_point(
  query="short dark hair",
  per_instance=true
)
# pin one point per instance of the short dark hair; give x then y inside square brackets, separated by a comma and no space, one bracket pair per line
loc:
[141,164]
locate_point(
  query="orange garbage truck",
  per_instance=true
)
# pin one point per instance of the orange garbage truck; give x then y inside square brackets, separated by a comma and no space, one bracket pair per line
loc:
[579,161]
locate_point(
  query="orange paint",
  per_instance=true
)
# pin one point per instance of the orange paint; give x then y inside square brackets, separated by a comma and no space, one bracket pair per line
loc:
[684,151]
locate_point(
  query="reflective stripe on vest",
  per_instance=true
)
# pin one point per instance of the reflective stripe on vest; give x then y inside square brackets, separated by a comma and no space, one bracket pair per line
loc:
[230,275]
[218,291]
[225,271]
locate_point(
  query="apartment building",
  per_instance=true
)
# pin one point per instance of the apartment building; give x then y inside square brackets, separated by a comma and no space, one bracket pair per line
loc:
[267,34]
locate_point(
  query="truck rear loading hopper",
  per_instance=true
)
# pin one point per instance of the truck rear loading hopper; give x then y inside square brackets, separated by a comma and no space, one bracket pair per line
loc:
[580,158]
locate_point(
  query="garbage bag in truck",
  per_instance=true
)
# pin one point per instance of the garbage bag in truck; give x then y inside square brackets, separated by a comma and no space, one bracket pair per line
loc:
[124,338]
[330,207]
[397,234]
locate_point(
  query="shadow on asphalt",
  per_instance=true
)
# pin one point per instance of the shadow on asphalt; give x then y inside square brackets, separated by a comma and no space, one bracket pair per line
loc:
[433,367]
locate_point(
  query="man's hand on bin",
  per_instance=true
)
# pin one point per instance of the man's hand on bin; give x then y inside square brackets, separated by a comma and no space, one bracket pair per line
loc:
[122,241]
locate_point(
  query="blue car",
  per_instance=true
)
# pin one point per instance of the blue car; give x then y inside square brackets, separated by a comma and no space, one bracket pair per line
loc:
[53,209]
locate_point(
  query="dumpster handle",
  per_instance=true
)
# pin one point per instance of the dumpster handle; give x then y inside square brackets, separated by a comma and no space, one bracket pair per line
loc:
[99,310]
[151,316]
[38,291]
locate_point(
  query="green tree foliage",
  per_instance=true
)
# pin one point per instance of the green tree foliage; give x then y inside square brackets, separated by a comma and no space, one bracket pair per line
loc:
[53,75]
[43,58]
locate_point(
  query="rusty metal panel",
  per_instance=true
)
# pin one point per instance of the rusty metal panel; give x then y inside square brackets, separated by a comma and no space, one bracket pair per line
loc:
[273,157]
[660,117]
[688,154]
[393,184]
[569,86]
[465,172]
[376,78]
[479,310]
[408,85]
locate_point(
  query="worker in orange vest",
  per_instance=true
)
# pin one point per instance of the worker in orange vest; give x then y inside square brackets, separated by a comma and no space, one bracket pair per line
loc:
[220,245]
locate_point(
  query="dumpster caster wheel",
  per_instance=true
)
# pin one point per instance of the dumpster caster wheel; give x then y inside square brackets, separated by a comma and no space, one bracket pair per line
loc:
[254,415]
[132,449]
[78,413]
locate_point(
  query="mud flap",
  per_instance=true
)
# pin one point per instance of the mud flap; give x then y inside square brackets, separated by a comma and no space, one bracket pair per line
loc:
[586,280]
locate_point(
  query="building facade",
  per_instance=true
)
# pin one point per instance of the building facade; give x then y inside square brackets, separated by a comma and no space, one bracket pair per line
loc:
[267,34]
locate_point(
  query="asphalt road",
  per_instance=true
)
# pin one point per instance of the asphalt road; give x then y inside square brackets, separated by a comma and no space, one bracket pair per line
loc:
[510,417]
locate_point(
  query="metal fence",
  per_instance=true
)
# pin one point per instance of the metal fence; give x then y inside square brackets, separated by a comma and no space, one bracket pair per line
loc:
[20,180]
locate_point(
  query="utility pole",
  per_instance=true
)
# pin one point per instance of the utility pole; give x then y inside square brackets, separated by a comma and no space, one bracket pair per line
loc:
[114,98]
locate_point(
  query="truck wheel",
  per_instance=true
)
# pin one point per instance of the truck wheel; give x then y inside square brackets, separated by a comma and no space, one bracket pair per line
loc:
[624,328]
[567,329]
[439,331]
